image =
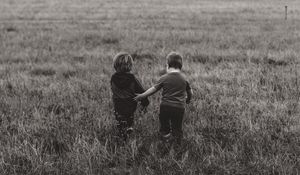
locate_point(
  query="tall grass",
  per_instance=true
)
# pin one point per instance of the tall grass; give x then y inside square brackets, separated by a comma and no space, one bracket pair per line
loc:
[241,58]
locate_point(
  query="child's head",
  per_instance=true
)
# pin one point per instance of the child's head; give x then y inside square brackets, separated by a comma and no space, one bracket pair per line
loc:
[123,62]
[174,60]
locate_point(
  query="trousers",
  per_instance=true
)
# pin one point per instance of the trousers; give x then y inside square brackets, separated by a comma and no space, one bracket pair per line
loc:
[124,123]
[170,119]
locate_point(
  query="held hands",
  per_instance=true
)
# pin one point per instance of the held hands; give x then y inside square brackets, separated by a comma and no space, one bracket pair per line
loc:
[143,110]
[188,100]
[138,97]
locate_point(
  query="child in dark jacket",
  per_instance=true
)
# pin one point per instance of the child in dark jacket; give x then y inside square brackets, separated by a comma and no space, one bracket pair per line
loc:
[124,86]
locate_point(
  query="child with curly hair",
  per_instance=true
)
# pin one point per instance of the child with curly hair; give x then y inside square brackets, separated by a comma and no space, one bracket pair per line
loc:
[125,86]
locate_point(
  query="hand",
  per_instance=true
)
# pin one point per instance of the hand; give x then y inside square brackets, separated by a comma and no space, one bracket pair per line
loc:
[138,97]
[188,101]
[144,110]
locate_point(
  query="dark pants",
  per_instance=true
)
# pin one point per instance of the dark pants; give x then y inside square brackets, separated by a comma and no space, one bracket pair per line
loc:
[171,121]
[124,122]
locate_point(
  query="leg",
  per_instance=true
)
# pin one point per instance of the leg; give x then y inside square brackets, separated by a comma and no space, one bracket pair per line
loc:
[176,124]
[122,125]
[164,117]
[165,130]
[129,121]
[129,124]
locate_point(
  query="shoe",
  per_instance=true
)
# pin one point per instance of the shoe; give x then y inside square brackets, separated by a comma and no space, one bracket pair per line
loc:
[166,136]
[129,130]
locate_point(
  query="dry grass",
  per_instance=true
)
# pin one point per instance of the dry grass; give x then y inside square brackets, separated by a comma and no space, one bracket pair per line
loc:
[241,58]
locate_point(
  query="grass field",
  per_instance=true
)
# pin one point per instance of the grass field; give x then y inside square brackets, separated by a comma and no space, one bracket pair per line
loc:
[241,58]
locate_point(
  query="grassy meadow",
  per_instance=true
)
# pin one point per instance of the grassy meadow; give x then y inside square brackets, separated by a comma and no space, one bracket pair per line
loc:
[241,57]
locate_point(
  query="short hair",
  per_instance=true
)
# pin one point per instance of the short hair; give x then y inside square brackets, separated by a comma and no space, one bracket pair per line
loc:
[123,62]
[174,60]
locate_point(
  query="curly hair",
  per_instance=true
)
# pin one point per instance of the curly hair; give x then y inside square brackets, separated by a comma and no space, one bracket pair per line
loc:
[123,62]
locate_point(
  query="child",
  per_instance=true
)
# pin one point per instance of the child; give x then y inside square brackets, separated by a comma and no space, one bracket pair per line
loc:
[124,86]
[176,92]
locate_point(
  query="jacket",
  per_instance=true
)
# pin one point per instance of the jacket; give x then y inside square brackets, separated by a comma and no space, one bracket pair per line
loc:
[124,86]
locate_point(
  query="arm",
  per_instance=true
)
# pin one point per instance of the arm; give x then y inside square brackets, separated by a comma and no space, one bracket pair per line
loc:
[189,95]
[139,89]
[149,92]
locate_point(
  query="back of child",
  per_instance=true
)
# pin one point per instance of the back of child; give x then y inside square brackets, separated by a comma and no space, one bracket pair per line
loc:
[124,86]
[176,93]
